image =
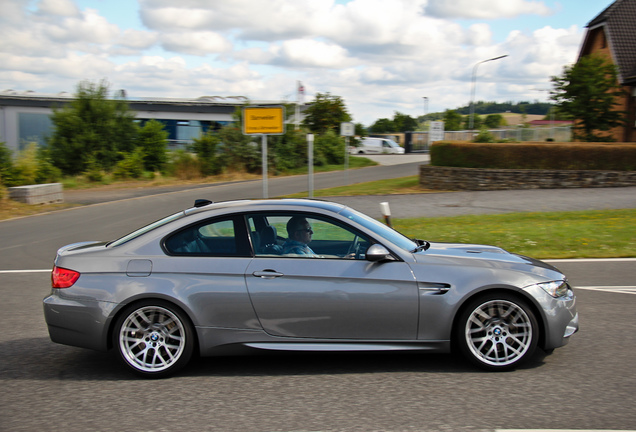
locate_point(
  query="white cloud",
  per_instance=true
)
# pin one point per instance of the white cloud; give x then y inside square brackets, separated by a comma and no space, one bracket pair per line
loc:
[485,9]
[89,27]
[196,43]
[379,56]
[302,52]
[58,7]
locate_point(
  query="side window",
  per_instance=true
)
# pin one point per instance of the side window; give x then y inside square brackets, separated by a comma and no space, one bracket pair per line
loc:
[211,238]
[304,236]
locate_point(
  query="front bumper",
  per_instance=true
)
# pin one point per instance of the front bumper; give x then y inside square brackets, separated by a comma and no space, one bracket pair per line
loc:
[560,317]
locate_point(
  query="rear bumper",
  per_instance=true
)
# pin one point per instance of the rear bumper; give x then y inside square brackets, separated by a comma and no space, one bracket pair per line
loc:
[76,322]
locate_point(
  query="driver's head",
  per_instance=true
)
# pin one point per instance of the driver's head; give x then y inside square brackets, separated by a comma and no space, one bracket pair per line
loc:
[299,229]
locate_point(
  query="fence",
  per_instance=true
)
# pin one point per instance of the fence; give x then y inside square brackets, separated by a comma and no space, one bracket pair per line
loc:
[418,141]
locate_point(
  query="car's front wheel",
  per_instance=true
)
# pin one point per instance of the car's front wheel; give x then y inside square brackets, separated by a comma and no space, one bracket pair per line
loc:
[497,332]
[153,338]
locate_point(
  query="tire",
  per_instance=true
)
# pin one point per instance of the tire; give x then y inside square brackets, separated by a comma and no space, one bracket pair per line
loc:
[497,332]
[153,338]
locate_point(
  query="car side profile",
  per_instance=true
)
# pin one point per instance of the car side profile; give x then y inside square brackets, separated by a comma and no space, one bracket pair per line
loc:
[300,275]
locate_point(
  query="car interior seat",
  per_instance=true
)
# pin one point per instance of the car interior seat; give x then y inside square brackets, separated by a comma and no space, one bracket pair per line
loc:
[268,241]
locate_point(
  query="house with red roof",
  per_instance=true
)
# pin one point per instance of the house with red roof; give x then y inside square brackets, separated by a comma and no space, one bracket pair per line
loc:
[612,34]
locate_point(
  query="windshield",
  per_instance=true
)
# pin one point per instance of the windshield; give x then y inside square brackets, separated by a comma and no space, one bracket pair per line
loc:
[145,229]
[380,229]
[392,143]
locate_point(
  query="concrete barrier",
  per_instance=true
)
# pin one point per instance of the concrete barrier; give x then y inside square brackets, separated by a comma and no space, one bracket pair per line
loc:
[38,194]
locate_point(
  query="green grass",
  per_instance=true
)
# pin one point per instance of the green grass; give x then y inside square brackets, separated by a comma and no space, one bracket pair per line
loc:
[354,162]
[579,234]
[402,185]
[587,234]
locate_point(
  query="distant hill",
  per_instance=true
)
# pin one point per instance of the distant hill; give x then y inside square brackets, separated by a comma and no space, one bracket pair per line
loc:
[514,119]
[484,108]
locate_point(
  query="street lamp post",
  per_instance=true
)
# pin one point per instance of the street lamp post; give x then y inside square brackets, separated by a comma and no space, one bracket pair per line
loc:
[472,91]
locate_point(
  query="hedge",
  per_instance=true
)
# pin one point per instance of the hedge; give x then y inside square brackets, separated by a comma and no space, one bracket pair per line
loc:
[530,155]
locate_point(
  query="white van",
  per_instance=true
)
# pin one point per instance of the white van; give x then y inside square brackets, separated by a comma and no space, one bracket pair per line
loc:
[377,146]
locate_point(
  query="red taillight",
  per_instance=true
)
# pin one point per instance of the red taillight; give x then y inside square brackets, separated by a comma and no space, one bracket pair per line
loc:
[63,278]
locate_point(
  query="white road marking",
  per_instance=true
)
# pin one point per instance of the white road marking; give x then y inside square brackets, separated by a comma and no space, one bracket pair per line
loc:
[612,289]
[584,260]
[25,271]
[561,430]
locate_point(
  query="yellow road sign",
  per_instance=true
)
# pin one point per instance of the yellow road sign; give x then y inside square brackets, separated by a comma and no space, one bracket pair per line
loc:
[264,120]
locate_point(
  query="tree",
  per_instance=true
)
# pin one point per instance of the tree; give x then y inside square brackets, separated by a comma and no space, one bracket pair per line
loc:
[404,122]
[588,93]
[477,122]
[206,149]
[452,120]
[326,113]
[494,121]
[382,125]
[91,128]
[400,123]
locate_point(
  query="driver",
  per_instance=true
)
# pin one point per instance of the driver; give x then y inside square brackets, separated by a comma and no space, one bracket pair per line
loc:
[298,237]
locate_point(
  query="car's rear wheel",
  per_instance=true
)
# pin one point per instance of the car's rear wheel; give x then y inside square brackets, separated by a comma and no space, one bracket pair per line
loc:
[497,332]
[154,338]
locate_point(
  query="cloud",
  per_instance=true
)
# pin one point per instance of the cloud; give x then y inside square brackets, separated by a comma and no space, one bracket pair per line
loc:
[484,9]
[64,8]
[379,56]
[197,43]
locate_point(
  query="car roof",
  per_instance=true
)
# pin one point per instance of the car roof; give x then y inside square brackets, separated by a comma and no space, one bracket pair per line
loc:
[266,204]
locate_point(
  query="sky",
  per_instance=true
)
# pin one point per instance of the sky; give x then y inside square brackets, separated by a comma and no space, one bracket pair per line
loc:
[380,56]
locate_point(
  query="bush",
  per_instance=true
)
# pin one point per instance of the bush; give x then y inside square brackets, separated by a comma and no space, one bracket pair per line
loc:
[152,138]
[6,164]
[25,168]
[238,152]
[567,156]
[329,149]
[288,151]
[47,172]
[184,165]
[484,136]
[206,149]
[131,166]
[94,172]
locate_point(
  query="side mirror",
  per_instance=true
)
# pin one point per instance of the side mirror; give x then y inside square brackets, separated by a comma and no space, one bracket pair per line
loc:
[377,253]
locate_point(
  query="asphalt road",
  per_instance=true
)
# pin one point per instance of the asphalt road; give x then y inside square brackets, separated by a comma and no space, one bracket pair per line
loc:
[589,384]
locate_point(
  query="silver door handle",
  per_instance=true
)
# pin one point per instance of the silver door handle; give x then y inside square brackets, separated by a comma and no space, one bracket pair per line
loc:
[267,274]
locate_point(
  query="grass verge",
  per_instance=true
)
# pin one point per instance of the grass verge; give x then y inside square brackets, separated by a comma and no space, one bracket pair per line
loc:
[577,234]
[402,185]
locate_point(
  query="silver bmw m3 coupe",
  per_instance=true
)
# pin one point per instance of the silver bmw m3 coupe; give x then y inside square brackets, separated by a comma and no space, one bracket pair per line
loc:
[301,275]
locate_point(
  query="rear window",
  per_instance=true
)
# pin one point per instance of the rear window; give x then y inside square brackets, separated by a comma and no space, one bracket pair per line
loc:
[218,237]
[144,230]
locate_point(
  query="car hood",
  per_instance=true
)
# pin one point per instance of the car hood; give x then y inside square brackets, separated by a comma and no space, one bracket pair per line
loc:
[476,252]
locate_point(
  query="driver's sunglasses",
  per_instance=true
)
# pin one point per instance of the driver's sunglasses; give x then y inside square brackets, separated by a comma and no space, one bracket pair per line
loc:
[309,230]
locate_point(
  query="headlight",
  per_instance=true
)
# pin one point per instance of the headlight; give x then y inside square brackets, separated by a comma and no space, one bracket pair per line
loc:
[556,288]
